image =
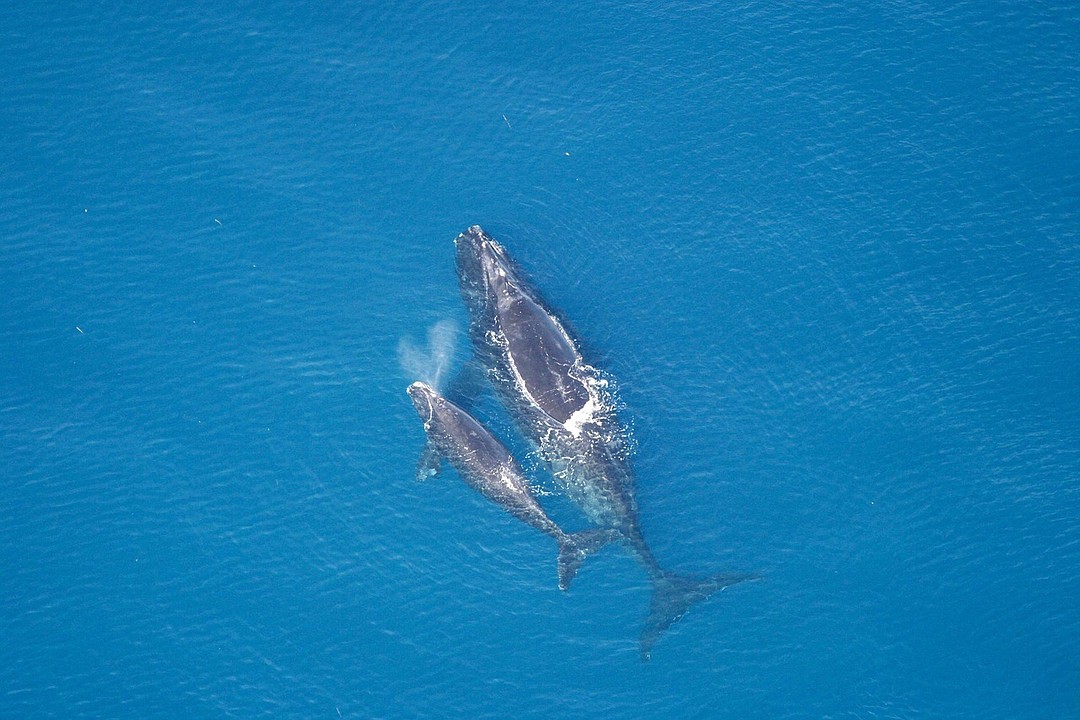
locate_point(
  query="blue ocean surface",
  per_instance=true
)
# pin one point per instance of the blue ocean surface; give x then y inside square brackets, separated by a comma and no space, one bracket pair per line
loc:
[829,253]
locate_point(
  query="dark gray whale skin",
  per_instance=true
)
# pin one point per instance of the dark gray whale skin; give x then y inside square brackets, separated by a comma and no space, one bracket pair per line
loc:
[559,404]
[485,464]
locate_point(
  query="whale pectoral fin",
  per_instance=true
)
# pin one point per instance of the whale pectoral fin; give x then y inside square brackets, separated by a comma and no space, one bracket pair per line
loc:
[430,463]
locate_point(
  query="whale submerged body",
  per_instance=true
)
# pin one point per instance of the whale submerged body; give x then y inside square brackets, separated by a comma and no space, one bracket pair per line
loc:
[565,408]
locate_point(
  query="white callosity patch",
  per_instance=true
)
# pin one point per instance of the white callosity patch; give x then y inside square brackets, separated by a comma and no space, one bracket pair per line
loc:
[429,421]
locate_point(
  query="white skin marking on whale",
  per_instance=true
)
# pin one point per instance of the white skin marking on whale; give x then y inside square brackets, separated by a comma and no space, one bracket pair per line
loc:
[430,416]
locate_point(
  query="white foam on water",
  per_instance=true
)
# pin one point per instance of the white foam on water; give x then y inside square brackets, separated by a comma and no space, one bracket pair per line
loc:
[581,416]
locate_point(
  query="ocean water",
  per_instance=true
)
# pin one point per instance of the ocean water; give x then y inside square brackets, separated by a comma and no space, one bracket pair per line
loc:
[830,254]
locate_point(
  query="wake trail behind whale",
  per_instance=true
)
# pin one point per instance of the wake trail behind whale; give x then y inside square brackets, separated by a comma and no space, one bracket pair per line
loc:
[432,363]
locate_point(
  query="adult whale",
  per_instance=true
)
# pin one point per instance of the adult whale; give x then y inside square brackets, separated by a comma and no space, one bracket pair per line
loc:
[485,464]
[565,408]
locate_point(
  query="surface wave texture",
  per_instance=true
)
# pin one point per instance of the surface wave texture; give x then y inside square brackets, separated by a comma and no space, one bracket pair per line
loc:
[829,254]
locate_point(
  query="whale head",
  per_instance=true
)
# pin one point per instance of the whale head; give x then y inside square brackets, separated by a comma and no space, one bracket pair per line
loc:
[424,399]
[483,266]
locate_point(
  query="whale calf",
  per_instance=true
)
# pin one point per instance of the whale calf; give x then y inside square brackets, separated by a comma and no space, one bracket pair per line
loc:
[485,464]
[564,407]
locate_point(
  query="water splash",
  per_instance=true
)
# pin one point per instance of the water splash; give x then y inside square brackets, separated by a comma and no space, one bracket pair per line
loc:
[430,364]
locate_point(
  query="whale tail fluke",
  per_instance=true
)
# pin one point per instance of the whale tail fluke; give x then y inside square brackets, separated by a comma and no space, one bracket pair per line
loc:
[672,597]
[575,547]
